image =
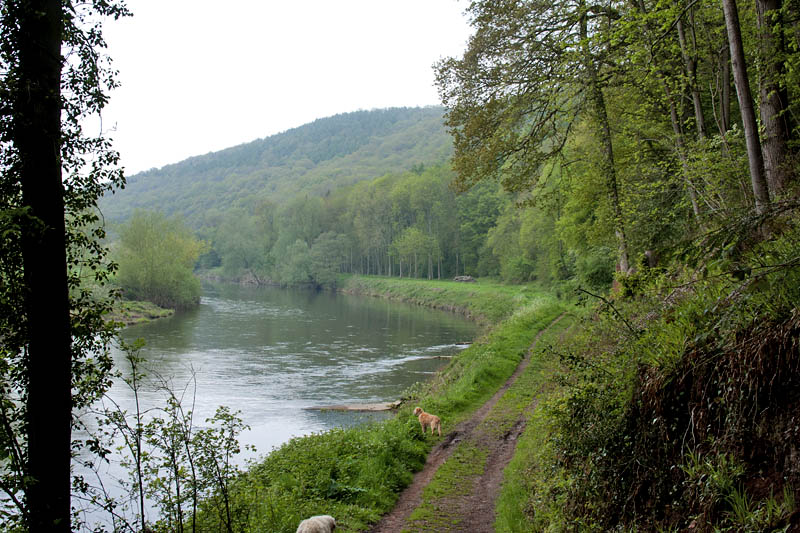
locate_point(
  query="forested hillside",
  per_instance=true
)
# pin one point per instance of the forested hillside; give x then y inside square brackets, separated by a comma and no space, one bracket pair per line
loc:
[312,159]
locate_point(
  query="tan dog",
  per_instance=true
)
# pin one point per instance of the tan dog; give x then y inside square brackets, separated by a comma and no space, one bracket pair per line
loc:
[317,524]
[428,420]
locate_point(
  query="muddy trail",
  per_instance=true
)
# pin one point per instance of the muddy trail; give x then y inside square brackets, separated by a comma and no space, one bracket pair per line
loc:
[472,509]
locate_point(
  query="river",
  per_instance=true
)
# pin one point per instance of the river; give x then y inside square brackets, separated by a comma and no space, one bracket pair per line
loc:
[273,353]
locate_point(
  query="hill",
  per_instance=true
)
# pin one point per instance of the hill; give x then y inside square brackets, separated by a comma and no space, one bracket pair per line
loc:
[314,159]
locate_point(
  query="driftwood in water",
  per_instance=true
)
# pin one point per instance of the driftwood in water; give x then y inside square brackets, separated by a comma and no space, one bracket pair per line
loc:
[388,406]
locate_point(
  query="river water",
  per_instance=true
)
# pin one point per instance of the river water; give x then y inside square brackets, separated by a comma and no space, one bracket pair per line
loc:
[273,353]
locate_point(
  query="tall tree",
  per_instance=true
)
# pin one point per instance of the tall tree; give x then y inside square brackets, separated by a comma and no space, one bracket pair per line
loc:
[741,80]
[597,105]
[37,132]
[689,53]
[48,191]
[774,97]
[530,72]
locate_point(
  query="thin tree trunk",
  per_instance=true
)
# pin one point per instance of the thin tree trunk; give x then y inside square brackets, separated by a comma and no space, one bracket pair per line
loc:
[37,136]
[690,64]
[608,167]
[725,92]
[774,99]
[757,179]
[681,148]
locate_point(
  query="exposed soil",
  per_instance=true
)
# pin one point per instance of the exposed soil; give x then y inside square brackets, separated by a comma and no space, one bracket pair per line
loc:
[476,509]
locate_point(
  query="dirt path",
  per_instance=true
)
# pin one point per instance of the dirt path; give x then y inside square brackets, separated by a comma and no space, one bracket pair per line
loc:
[476,509]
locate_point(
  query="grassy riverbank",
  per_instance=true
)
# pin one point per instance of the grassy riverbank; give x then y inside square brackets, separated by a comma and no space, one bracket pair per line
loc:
[460,474]
[486,302]
[356,474]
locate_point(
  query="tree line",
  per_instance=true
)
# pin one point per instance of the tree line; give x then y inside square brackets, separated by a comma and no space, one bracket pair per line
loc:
[410,224]
[618,117]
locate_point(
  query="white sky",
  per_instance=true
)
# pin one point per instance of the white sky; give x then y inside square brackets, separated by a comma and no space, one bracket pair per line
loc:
[202,75]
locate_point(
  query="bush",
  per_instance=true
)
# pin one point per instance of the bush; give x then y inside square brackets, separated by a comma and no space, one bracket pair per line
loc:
[156,257]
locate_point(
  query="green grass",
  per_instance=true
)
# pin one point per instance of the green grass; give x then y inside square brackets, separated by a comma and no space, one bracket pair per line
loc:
[458,474]
[521,479]
[485,301]
[454,478]
[135,312]
[471,379]
[356,474]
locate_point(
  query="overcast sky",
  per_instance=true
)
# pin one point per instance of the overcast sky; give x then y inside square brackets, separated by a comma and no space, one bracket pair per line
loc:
[200,75]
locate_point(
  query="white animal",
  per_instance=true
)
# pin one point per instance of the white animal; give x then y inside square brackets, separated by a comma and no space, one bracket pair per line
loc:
[317,524]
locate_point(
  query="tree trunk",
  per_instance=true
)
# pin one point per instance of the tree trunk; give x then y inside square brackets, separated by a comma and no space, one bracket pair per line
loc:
[774,99]
[690,63]
[37,136]
[681,148]
[608,166]
[757,179]
[725,90]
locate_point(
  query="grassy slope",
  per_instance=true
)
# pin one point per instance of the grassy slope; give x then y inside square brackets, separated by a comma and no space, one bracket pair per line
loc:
[677,411]
[484,302]
[356,474]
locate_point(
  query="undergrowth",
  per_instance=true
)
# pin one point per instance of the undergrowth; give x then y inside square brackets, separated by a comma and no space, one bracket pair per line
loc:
[678,403]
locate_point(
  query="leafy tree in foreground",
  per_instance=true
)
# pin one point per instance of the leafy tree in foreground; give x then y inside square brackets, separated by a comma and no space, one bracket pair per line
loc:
[52,357]
[156,258]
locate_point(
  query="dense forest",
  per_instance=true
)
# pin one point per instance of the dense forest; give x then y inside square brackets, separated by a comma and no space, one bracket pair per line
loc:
[407,225]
